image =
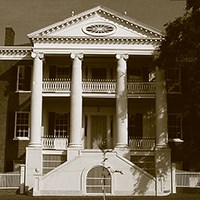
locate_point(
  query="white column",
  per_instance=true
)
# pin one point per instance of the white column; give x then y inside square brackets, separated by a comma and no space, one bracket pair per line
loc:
[161,109]
[36,99]
[121,102]
[34,150]
[76,102]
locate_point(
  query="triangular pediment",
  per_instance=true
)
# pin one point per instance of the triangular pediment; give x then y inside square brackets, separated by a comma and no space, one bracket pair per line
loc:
[97,22]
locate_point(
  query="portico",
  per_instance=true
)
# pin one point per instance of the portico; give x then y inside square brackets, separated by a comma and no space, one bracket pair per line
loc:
[93,91]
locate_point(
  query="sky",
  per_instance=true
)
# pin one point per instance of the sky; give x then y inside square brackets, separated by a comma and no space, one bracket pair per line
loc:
[27,16]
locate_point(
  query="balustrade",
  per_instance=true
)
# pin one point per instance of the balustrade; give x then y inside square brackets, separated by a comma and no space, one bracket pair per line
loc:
[56,85]
[98,86]
[138,143]
[141,87]
[50,142]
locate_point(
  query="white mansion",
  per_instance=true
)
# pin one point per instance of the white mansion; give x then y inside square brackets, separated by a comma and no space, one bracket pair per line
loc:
[97,121]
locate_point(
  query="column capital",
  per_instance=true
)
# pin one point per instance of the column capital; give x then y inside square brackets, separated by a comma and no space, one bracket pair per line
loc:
[76,55]
[40,55]
[122,56]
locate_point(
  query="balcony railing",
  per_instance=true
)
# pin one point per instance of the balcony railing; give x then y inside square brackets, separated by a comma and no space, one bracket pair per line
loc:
[50,142]
[56,85]
[98,86]
[138,143]
[141,87]
[61,143]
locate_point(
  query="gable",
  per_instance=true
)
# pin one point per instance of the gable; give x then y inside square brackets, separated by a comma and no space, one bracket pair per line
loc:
[96,26]
[98,22]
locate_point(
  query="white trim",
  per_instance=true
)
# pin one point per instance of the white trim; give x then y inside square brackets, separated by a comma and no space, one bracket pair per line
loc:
[84,178]
[15,126]
[102,11]
[21,138]
[101,34]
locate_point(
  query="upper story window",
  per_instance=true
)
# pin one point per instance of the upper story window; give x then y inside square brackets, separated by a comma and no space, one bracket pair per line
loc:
[23,78]
[63,72]
[175,125]
[138,74]
[21,125]
[99,73]
[173,76]
[59,72]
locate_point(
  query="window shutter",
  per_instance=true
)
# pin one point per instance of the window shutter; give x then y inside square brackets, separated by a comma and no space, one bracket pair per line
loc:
[139,124]
[52,71]
[51,123]
[27,78]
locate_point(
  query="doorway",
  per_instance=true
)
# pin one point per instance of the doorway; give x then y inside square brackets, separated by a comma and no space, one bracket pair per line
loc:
[98,130]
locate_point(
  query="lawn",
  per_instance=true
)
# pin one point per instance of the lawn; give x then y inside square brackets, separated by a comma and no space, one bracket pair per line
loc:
[171,197]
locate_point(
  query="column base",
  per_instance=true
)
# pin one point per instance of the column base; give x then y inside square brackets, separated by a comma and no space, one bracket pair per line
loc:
[76,146]
[73,152]
[163,169]
[123,150]
[33,164]
[37,145]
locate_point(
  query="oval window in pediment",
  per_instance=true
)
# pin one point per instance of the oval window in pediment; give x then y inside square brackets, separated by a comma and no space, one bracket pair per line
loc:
[99,29]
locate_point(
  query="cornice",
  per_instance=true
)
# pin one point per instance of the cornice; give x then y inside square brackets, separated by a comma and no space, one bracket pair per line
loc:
[96,40]
[15,52]
[101,11]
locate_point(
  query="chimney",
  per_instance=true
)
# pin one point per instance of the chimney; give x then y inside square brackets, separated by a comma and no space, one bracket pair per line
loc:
[9,36]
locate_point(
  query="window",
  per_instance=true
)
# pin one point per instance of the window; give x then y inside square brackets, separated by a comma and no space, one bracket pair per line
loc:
[63,72]
[99,73]
[21,125]
[59,124]
[98,180]
[175,125]
[173,80]
[23,78]
[135,125]
[59,72]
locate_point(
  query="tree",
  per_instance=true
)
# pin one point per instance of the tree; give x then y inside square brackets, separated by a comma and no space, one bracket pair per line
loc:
[181,48]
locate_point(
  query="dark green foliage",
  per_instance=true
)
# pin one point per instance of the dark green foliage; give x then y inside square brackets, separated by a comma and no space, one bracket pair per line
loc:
[181,48]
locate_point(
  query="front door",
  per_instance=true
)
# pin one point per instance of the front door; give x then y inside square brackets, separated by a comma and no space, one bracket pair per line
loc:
[98,130]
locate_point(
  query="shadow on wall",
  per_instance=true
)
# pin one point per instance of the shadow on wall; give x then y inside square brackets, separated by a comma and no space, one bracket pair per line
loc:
[10,103]
[162,179]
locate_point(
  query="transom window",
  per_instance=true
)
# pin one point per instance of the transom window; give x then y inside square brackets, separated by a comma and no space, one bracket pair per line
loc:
[21,125]
[98,180]
[175,125]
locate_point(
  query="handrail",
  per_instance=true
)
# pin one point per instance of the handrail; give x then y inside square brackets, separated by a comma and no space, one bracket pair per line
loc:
[142,143]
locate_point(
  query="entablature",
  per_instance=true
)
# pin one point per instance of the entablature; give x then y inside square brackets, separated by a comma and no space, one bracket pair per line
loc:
[15,53]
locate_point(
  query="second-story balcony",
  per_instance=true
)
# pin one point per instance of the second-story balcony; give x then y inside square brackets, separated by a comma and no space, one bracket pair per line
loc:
[98,86]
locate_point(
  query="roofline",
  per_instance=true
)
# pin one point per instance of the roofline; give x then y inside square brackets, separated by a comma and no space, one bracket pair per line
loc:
[95,9]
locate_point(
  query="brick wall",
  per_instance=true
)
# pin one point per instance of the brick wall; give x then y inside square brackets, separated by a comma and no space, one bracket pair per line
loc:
[10,101]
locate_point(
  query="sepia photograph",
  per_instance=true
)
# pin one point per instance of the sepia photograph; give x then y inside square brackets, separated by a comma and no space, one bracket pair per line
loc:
[100,99]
